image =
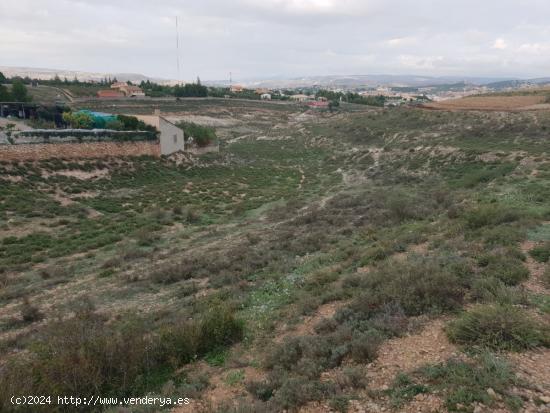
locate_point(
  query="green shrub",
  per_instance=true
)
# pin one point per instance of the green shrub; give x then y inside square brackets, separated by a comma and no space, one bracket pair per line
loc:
[490,215]
[364,347]
[114,125]
[418,285]
[30,313]
[464,383]
[491,289]
[86,353]
[202,135]
[497,326]
[503,266]
[541,253]
[131,123]
[546,277]
[299,390]
[78,120]
[404,389]
[218,328]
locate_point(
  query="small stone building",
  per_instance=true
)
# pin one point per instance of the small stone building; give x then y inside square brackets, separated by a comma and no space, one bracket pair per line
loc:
[171,137]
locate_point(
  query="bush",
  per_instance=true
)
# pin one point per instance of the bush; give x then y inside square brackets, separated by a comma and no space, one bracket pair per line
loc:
[114,125]
[490,215]
[508,269]
[497,326]
[87,354]
[364,347]
[464,383]
[131,123]
[78,120]
[30,313]
[418,286]
[201,135]
[546,277]
[404,389]
[541,253]
[494,290]
[218,328]
[297,391]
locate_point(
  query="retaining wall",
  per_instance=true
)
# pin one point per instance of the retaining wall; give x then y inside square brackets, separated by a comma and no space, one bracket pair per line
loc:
[40,151]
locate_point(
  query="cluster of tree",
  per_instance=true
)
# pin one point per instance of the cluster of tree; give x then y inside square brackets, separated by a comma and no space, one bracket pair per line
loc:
[80,120]
[220,92]
[366,100]
[191,90]
[198,134]
[129,123]
[57,81]
[351,97]
[155,90]
[17,93]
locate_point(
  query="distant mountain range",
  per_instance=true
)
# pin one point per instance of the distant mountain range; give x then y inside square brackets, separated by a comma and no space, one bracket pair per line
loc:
[370,81]
[336,81]
[357,81]
[47,74]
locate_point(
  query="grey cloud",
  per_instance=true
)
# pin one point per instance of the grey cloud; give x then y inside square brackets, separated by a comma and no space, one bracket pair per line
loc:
[261,38]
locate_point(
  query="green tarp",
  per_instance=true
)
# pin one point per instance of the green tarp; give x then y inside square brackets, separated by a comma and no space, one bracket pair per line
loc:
[100,119]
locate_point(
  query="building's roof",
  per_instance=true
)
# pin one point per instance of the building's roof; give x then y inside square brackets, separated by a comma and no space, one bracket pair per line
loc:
[116,85]
[131,88]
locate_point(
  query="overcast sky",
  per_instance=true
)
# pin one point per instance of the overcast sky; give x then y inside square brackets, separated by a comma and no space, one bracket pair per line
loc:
[289,38]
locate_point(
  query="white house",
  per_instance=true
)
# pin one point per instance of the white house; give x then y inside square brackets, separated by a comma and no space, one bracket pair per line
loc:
[300,98]
[171,137]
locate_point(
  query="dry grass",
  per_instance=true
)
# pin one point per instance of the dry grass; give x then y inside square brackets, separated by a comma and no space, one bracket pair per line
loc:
[490,103]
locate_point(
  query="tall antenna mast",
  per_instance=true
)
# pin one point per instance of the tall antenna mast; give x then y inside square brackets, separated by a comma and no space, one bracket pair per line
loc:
[178,49]
[230,80]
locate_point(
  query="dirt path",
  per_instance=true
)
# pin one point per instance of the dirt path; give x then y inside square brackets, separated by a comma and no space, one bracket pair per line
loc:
[409,353]
[302,178]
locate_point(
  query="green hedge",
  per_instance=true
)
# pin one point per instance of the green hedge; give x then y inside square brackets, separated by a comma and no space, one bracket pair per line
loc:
[99,135]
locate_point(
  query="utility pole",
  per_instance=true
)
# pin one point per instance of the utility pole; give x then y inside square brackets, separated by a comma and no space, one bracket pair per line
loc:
[178,50]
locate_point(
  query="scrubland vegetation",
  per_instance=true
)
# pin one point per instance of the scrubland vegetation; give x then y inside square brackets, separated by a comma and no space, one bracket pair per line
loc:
[135,276]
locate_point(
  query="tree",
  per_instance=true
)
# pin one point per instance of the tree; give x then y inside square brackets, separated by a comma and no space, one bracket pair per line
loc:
[333,104]
[78,120]
[5,95]
[190,90]
[19,92]
[201,135]
[2,78]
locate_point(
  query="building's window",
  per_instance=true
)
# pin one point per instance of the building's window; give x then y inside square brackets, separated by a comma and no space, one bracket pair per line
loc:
[175,138]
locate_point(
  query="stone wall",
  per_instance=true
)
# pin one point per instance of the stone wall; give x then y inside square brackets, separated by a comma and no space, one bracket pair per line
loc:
[38,151]
[79,135]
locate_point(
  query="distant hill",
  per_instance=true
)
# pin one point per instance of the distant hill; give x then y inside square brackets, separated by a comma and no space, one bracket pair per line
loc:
[517,83]
[329,81]
[47,74]
[358,81]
